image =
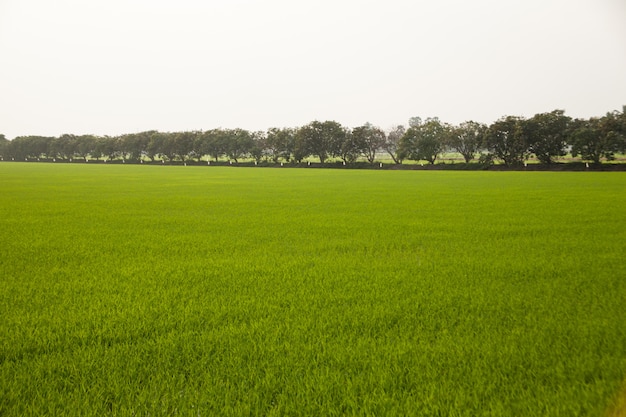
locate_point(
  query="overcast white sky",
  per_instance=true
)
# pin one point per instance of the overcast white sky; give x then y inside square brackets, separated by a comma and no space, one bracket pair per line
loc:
[122,66]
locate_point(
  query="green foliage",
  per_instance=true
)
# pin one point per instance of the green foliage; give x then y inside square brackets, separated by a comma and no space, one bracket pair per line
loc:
[424,141]
[322,139]
[213,143]
[467,139]
[510,139]
[149,290]
[392,143]
[598,138]
[547,135]
[507,140]
[486,160]
[369,139]
[351,147]
[280,143]
[4,146]
[238,143]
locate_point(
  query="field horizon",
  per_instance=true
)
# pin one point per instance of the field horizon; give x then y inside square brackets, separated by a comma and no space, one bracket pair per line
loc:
[136,290]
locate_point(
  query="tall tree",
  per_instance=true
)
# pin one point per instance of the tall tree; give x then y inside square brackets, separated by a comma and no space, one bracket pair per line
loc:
[280,143]
[392,143]
[213,143]
[183,144]
[598,138]
[151,144]
[63,147]
[507,140]
[351,148]
[105,147]
[17,149]
[258,149]
[168,146]
[467,139]
[238,143]
[135,145]
[85,146]
[4,146]
[425,141]
[547,135]
[415,121]
[322,139]
[370,140]
[300,146]
[23,147]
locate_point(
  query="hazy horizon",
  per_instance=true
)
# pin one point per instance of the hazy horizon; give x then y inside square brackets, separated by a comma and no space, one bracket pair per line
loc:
[113,67]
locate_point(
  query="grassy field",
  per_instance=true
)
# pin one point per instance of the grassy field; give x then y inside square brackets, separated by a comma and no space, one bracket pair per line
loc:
[148,290]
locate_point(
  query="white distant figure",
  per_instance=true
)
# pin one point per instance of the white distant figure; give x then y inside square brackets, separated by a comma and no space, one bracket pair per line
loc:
[381,164]
[281,164]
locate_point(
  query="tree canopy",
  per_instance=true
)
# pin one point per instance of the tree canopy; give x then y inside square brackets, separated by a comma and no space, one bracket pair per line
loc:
[510,139]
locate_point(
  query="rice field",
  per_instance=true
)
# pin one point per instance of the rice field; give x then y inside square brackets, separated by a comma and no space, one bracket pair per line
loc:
[199,291]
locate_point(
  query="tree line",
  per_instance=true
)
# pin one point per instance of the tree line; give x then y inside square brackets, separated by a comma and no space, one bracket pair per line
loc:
[510,140]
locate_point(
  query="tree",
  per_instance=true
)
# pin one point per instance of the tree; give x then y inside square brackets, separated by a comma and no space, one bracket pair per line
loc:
[415,121]
[16,149]
[212,143]
[181,145]
[506,139]
[4,146]
[351,148]
[622,130]
[134,145]
[280,143]
[598,138]
[259,148]
[425,141]
[154,141]
[467,139]
[370,140]
[105,147]
[322,139]
[63,147]
[392,143]
[238,143]
[23,147]
[407,148]
[168,146]
[200,145]
[547,135]
[85,146]
[300,147]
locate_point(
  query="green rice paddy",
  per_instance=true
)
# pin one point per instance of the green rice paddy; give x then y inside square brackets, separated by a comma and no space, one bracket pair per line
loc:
[198,291]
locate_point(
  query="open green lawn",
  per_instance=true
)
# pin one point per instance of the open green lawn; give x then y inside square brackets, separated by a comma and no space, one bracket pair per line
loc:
[149,290]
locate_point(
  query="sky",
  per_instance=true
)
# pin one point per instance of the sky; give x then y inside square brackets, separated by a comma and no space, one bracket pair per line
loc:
[109,67]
